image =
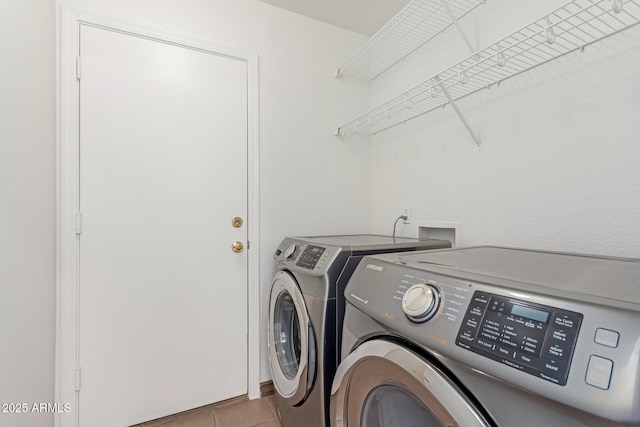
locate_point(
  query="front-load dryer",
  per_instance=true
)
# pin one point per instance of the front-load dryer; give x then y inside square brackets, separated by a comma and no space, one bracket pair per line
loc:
[490,336]
[306,309]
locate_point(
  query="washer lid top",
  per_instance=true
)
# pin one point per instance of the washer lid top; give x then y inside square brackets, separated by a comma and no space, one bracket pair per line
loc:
[374,241]
[604,277]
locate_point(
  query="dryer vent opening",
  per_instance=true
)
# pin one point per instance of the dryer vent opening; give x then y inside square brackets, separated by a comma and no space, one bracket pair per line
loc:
[448,231]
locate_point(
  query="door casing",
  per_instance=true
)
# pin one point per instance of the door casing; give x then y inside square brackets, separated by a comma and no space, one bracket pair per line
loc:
[67,181]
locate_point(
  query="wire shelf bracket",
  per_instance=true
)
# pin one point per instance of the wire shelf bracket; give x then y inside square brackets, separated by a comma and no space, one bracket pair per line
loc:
[572,27]
[459,113]
[456,23]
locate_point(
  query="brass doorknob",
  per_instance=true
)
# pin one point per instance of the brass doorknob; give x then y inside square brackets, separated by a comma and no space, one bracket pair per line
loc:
[237,246]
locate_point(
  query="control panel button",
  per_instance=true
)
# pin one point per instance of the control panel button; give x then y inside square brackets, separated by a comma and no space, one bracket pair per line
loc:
[556,350]
[481,299]
[607,337]
[599,372]
[566,321]
[559,335]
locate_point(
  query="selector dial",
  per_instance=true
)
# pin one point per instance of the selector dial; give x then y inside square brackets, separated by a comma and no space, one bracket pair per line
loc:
[421,302]
[290,251]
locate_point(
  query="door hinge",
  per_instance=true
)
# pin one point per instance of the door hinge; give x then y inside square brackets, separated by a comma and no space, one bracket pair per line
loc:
[78,68]
[78,223]
[77,379]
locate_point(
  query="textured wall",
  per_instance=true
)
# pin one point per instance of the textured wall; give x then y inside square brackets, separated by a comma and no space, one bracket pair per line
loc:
[558,169]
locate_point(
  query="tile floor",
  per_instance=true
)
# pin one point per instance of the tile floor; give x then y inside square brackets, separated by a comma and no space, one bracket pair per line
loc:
[247,413]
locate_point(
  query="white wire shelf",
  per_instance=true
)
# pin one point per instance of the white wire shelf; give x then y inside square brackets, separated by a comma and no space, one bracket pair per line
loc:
[571,27]
[416,24]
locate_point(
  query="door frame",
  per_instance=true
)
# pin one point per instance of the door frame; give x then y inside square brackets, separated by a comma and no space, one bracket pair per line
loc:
[67,183]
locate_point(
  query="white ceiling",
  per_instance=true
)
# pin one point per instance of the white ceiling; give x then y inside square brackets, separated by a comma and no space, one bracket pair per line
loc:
[362,16]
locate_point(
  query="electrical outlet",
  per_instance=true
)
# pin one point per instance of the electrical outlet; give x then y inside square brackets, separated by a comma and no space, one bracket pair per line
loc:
[406,210]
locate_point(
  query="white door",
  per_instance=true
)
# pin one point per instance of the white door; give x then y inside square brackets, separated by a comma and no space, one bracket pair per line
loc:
[162,310]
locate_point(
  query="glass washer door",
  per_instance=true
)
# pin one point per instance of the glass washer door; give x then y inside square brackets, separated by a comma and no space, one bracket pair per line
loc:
[382,384]
[391,405]
[289,345]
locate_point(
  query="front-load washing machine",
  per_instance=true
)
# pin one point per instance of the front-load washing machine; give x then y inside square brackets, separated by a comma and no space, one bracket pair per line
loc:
[490,336]
[305,316]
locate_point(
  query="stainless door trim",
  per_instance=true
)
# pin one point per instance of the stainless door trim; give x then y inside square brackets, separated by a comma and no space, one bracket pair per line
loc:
[379,362]
[294,389]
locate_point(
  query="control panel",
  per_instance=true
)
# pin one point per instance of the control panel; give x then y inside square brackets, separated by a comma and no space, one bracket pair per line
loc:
[533,338]
[310,257]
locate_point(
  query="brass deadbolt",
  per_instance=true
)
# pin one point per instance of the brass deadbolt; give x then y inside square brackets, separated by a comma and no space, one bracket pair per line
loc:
[237,222]
[237,246]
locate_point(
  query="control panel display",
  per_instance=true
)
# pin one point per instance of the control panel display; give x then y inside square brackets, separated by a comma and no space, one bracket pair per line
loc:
[533,338]
[310,256]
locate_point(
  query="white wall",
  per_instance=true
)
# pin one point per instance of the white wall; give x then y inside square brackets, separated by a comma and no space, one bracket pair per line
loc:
[559,166]
[310,182]
[304,171]
[27,206]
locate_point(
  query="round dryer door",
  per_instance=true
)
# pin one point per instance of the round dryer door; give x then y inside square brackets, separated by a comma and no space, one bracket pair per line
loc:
[291,340]
[382,384]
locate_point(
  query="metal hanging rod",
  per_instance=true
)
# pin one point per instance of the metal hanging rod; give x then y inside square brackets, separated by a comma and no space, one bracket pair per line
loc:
[416,24]
[571,27]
